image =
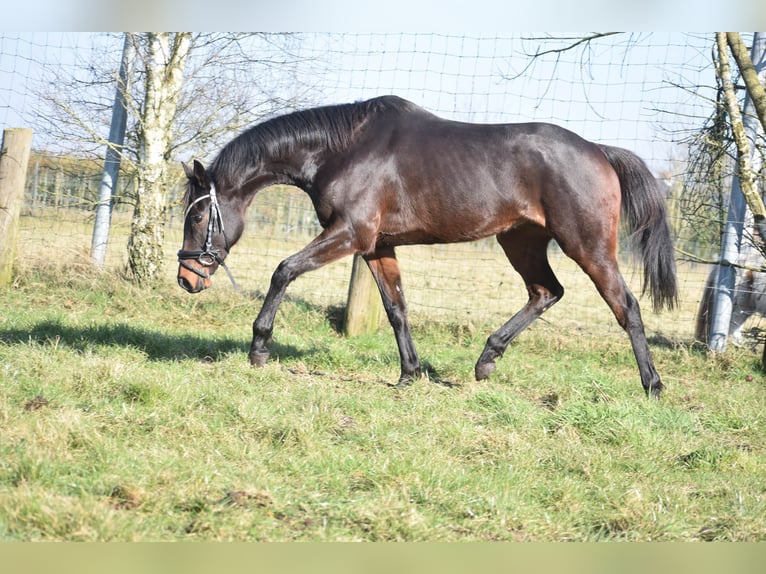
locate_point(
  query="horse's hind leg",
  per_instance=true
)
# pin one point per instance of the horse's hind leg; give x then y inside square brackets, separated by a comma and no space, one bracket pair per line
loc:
[605,273]
[526,249]
[385,270]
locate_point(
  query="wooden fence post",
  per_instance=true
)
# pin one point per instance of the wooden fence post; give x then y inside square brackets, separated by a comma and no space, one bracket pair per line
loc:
[364,308]
[14,156]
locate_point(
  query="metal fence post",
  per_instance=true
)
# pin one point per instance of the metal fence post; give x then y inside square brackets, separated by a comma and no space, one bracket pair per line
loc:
[113,155]
[723,294]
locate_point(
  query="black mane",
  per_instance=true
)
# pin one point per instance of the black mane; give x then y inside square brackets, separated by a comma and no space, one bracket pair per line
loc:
[331,127]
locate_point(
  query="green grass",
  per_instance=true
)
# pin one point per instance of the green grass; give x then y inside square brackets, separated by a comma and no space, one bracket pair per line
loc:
[133,414]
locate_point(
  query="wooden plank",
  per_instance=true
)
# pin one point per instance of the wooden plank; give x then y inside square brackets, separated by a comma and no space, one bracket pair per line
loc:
[364,308]
[14,158]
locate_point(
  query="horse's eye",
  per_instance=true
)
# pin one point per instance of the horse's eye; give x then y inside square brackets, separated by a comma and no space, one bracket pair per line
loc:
[196,218]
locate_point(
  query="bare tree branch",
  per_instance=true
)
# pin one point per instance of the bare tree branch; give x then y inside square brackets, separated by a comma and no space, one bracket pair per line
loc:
[749,74]
[577,41]
[693,258]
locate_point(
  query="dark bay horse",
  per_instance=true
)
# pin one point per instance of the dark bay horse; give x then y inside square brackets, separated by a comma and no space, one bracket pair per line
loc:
[385,172]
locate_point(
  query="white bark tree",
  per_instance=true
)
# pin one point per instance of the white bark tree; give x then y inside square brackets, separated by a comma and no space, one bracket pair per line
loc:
[165,56]
[755,86]
[192,92]
[745,169]
[757,94]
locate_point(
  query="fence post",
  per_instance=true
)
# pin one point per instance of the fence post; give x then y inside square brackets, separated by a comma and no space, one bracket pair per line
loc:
[364,308]
[113,152]
[14,157]
[723,293]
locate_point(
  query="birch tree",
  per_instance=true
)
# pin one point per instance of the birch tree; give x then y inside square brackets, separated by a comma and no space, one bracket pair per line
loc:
[757,93]
[165,58]
[745,169]
[190,94]
[747,69]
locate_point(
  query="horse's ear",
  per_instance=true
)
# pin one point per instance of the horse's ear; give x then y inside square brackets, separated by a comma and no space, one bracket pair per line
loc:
[188,171]
[200,174]
[196,174]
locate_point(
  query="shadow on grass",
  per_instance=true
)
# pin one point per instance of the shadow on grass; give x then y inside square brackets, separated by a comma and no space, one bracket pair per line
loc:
[663,342]
[157,345]
[169,347]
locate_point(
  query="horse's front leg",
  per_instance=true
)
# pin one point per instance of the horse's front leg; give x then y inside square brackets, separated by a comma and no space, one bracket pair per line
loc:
[332,244]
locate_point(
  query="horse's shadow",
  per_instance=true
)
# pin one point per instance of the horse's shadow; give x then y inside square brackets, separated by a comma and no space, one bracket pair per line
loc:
[162,346]
[155,344]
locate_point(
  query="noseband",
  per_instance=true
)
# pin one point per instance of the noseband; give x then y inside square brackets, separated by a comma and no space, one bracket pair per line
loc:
[207,256]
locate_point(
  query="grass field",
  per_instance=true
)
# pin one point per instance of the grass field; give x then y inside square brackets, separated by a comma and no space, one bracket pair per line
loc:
[132,414]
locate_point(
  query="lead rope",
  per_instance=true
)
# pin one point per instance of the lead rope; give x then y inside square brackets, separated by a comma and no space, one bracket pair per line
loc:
[231,277]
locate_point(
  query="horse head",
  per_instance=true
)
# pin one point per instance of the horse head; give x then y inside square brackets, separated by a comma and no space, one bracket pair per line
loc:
[211,227]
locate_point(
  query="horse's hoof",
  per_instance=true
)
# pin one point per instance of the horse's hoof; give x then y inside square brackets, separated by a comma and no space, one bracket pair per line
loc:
[259,358]
[403,382]
[483,370]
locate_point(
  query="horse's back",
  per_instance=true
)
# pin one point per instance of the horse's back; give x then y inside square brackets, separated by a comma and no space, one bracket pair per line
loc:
[442,181]
[461,150]
[530,163]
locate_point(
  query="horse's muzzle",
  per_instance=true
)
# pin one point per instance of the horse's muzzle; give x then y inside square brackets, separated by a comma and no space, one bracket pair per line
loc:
[191,281]
[193,278]
[187,285]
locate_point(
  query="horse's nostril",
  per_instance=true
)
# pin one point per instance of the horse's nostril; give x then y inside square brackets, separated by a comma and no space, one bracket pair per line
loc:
[187,285]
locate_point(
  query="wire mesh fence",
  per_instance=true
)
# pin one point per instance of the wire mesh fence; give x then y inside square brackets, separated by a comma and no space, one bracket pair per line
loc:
[652,93]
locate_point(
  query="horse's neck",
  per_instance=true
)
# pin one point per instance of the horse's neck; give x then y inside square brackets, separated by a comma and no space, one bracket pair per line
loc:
[298,172]
[296,164]
[299,169]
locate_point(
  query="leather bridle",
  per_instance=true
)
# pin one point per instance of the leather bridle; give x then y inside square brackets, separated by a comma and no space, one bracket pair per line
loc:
[208,256]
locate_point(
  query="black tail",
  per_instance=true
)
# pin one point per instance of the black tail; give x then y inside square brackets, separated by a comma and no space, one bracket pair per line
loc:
[643,208]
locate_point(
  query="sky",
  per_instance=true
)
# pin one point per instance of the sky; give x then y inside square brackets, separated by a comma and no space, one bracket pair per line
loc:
[474,16]
[479,18]
[619,91]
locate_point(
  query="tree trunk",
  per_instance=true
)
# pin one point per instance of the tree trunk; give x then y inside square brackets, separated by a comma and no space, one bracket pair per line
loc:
[744,167]
[747,69]
[743,190]
[752,74]
[165,61]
